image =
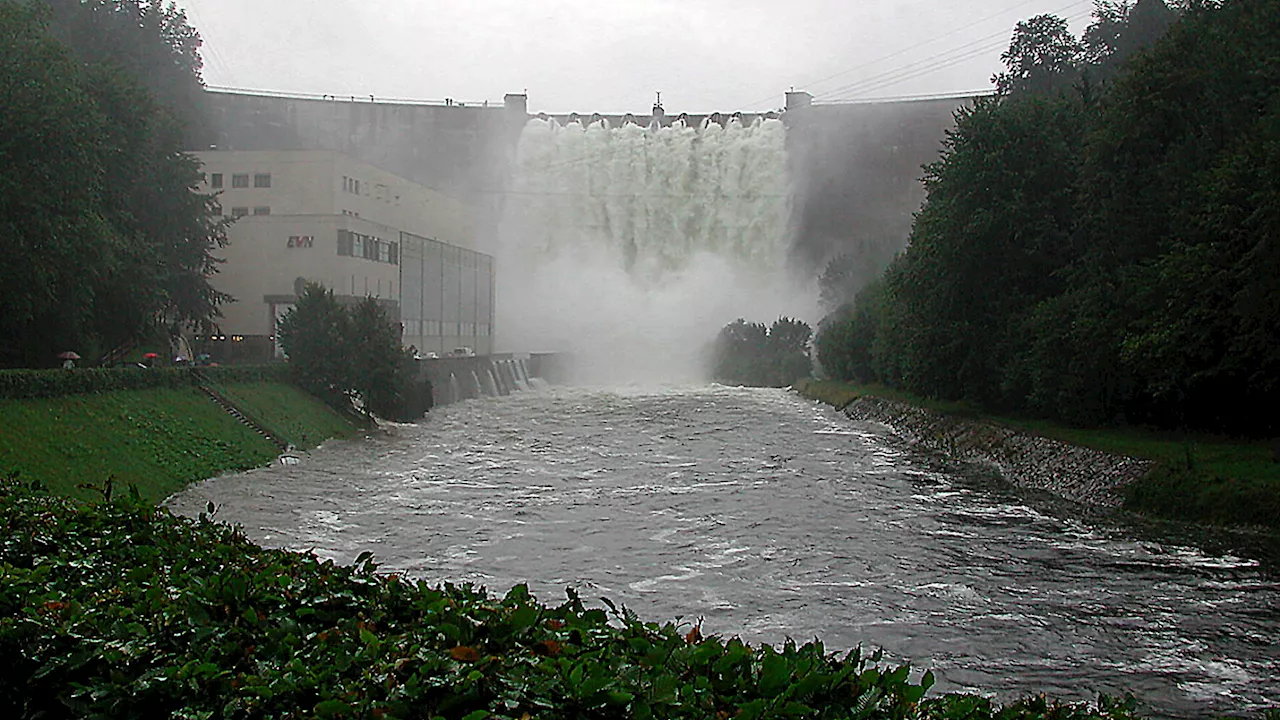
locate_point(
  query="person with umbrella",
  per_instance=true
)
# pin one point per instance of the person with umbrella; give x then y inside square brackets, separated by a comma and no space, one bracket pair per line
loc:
[68,359]
[149,359]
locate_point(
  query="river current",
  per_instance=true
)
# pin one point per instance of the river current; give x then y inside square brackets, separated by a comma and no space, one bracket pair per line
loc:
[767,516]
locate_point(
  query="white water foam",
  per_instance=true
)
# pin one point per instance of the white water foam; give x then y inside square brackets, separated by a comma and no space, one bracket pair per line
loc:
[631,247]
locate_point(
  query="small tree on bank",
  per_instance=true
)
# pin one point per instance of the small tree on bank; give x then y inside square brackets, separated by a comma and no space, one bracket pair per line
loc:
[314,336]
[344,355]
[751,354]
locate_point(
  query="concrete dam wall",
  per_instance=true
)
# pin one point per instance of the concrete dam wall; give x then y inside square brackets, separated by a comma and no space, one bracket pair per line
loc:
[855,169]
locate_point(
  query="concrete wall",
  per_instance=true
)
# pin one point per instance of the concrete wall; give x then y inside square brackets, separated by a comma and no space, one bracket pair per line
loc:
[268,254]
[856,168]
[464,151]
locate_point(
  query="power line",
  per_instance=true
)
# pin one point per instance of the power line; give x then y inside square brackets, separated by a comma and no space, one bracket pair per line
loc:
[920,44]
[933,63]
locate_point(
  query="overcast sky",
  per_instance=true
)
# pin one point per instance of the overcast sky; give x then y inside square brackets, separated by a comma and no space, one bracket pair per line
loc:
[612,55]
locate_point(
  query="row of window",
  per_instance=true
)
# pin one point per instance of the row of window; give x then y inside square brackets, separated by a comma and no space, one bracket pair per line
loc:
[351,185]
[242,211]
[440,328]
[241,180]
[354,244]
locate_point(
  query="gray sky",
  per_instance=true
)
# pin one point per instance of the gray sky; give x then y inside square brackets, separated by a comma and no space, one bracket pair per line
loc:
[612,55]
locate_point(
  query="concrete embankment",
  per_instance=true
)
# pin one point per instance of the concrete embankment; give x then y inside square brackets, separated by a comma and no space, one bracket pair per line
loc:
[157,438]
[1082,475]
[457,378]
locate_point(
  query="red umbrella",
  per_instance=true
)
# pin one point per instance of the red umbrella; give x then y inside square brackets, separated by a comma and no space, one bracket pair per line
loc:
[68,355]
[150,356]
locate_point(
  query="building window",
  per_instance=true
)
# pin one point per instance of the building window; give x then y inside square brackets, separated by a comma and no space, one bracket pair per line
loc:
[239,211]
[384,252]
[215,180]
[262,180]
[357,245]
[240,180]
[262,210]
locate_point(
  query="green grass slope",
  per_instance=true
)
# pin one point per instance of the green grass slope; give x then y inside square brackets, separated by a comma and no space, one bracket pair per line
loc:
[159,439]
[289,412]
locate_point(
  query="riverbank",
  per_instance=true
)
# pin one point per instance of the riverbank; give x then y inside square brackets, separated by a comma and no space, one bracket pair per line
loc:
[158,438]
[1178,477]
[127,610]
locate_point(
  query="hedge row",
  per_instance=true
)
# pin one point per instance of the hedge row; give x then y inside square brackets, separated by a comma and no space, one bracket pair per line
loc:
[31,384]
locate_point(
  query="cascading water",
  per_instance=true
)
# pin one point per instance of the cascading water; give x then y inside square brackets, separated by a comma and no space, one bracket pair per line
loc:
[630,247]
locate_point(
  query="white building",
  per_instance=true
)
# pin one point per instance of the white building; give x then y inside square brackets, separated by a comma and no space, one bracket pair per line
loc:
[322,216]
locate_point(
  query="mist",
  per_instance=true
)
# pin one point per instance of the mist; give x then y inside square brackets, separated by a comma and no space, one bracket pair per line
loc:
[628,248]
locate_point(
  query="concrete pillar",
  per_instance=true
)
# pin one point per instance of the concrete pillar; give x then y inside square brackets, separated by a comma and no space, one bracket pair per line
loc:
[797,99]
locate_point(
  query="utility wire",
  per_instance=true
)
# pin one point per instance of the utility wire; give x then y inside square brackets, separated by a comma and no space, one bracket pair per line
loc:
[936,62]
[909,48]
[859,89]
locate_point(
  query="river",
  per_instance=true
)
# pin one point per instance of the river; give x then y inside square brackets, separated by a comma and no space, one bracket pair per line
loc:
[767,516]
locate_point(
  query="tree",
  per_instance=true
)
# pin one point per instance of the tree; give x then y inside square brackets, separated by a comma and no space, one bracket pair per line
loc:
[149,41]
[314,335]
[54,234]
[105,238]
[341,355]
[848,272]
[1120,30]
[1043,58]
[752,354]
[989,242]
[379,368]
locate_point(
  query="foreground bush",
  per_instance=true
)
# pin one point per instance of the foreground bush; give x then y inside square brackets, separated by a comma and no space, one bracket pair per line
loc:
[127,611]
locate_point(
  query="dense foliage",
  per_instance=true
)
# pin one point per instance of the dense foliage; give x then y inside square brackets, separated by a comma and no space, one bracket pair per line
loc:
[1099,241]
[122,610]
[341,354]
[104,237]
[751,354]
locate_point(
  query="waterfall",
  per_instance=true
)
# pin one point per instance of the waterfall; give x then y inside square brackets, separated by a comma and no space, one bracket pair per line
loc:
[630,247]
[455,390]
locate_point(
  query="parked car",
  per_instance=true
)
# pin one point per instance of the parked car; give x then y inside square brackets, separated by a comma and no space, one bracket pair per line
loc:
[463,352]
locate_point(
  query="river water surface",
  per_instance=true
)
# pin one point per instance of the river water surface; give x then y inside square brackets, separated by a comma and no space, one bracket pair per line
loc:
[768,516]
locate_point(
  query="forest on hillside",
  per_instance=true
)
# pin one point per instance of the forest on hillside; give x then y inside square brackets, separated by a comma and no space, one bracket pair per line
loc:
[1099,242]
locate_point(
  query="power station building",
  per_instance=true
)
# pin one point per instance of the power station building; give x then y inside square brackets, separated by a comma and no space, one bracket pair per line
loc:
[323,216]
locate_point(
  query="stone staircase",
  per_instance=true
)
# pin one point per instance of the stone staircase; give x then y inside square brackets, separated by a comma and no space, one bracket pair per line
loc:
[223,402]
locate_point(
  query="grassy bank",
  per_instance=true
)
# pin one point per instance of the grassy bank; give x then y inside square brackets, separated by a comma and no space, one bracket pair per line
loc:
[1196,477]
[158,438]
[124,611]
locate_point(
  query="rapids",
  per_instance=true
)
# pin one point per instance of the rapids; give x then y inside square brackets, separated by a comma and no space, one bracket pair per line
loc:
[766,516]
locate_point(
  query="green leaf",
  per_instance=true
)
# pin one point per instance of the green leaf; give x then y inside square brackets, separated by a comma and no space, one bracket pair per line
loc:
[332,709]
[620,697]
[524,617]
[795,708]
[775,675]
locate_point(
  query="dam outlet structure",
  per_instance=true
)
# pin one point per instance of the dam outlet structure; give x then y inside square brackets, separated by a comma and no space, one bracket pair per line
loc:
[628,246]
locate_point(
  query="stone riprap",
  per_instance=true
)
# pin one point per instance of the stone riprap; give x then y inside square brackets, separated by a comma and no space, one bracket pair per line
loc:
[1082,475]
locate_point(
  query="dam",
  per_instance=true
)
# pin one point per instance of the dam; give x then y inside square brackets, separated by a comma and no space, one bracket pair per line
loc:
[628,240]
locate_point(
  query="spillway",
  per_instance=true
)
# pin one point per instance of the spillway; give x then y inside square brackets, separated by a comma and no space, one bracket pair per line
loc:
[631,246]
